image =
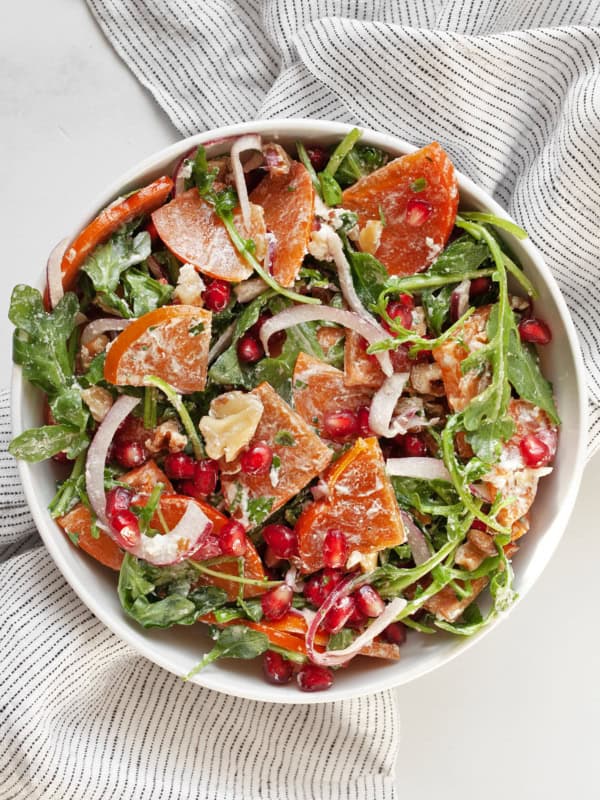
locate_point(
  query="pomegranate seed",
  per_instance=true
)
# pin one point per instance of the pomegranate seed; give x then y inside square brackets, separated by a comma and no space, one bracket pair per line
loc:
[118,499]
[179,466]
[357,619]
[362,418]
[395,633]
[339,614]
[368,600]
[397,310]
[413,445]
[480,286]
[335,548]
[318,587]
[319,157]
[277,669]
[270,558]
[406,300]
[277,602]
[216,296]
[126,527]
[478,525]
[418,212]
[61,458]
[535,331]
[535,452]
[204,482]
[249,349]
[281,539]
[257,459]
[340,424]
[232,538]
[130,454]
[313,678]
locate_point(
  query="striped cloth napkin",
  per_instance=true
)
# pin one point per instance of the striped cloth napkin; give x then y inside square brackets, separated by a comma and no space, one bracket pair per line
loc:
[511,89]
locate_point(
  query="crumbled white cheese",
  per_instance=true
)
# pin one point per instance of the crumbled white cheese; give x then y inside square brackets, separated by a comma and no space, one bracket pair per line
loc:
[189,287]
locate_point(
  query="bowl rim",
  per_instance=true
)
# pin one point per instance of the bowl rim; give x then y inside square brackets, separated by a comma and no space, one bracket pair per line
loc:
[297,127]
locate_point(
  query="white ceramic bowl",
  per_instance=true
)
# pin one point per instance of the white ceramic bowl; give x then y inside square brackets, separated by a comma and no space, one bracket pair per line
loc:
[179,648]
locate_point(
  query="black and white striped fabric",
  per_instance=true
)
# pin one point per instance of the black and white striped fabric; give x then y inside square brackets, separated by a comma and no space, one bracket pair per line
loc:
[512,90]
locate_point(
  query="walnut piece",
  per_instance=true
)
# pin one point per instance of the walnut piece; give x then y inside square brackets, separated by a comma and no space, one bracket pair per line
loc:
[98,400]
[366,561]
[370,236]
[166,436]
[231,422]
[189,287]
[89,351]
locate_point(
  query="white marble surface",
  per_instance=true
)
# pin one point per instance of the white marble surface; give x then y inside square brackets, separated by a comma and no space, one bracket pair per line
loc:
[518,715]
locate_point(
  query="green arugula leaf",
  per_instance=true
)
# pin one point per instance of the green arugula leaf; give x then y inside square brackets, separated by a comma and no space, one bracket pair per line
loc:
[369,276]
[526,377]
[360,161]
[341,640]
[144,293]
[330,189]
[235,641]
[37,444]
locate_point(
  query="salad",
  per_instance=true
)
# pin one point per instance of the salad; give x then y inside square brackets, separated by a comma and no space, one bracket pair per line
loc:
[296,398]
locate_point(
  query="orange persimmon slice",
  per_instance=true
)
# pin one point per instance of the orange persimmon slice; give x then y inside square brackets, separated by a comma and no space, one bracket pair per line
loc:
[288,200]
[320,389]
[360,502]
[108,221]
[193,232]
[171,342]
[416,198]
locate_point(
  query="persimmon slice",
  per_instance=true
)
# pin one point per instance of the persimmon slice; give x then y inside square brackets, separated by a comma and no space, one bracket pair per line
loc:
[360,502]
[171,342]
[416,197]
[193,232]
[362,369]
[299,456]
[320,389]
[288,200]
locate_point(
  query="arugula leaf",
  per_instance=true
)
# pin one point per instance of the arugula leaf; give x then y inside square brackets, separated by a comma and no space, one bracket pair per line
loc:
[360,161]
[159,597]
[108,261]
[37,444]
[368,275]
[144,293]
[526,377]
[341,640]
[259,509]
[235,641]
[330,189]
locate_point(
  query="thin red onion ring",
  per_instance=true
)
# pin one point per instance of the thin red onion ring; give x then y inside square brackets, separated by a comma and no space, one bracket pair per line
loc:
[97,452]
[336,249]
[459,300]
[222,343]
[383,405]
[416,539]
[249,142]
[54,272]
[98,326]
[179,543]
[334,658]
[349,319]
[249,289]
[415,467]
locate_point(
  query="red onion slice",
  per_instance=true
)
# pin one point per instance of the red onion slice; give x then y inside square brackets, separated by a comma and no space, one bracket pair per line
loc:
[97,452]
[180,543]
[414,467]
[334,658]
[54,272]
[98,326]
[459,300]
[249,289]
[248,142]
[383,406]
[154,267]
[334,244]
[299,314]
[416,539]
[222,343]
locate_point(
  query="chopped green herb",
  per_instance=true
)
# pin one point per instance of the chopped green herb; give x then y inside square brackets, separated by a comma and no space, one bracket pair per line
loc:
[285,438]
[419,185]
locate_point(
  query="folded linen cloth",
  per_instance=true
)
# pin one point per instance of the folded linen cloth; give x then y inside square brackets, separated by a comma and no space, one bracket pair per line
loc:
[511,90]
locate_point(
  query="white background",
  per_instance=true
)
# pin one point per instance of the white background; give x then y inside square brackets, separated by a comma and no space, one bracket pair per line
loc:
[518,715]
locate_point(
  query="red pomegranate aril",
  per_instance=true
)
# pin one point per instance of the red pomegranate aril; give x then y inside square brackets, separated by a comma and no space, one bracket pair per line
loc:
[340,424]
[478,525]
[130,454]
[369,601]
[362,418]
[397,310]
[535,452]
[277,602]
[413,446]
[206,476]
[233,540]
[418,212]
[276,668]
[126,527]
[480,286]
[395,633]
[339,614]
[61,458]
[271,559]
[335,548]
[313,678]
[318,156]
[318,587]
[249,349]
[281,539]
[406,300]
[180,466]
[117,499]
[534,331]
[357,619]
[257,460]
[217,295]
